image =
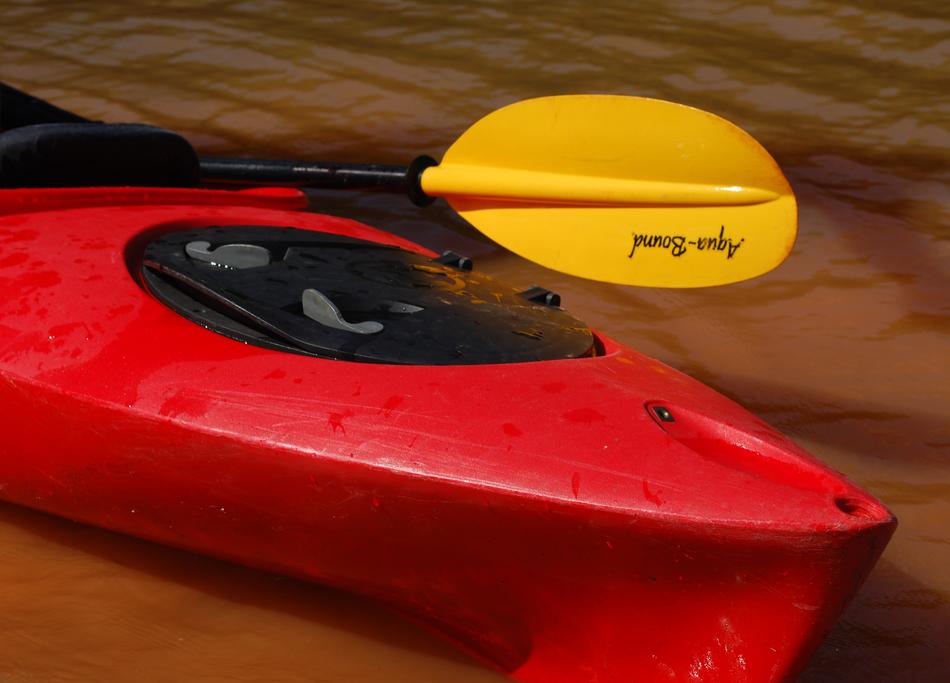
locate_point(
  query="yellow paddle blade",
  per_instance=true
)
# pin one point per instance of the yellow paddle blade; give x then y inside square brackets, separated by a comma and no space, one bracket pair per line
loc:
[622,189]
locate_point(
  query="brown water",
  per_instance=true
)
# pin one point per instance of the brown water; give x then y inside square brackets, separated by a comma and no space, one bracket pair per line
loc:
[846,347]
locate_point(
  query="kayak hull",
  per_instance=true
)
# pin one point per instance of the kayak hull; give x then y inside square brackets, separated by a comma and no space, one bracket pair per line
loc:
[539,514]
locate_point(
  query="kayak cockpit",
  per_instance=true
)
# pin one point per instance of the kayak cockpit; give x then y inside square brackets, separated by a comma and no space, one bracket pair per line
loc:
[334,296]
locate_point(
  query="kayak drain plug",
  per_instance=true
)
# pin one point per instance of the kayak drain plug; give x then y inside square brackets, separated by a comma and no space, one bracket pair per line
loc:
[663,414]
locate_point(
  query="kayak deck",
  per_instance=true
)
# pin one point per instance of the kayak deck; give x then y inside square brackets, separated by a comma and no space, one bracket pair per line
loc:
[545,515]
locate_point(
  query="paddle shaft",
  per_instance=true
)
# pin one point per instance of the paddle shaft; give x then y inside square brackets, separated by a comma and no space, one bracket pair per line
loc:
[319,175]
[301,173]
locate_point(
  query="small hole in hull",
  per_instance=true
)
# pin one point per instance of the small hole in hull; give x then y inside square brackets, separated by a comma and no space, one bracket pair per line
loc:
[854,507]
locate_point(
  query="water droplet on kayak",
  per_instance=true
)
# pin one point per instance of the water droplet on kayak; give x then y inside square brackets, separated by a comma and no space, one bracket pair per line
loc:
[511,430]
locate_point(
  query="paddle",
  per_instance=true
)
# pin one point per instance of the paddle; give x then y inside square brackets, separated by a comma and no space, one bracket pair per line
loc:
[622,189]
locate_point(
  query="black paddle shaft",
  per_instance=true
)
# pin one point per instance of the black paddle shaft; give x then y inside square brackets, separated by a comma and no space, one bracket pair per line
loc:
[322,175]
[19,109]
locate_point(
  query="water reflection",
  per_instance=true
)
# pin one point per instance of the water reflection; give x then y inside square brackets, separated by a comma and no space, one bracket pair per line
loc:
[78,602]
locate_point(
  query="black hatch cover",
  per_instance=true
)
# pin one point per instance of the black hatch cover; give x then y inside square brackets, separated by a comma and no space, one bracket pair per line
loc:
[332,296]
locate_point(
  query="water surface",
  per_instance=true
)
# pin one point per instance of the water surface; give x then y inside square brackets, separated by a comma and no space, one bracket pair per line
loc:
[845,347]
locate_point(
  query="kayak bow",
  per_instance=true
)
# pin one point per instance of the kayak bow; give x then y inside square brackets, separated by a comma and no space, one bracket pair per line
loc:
[554,502]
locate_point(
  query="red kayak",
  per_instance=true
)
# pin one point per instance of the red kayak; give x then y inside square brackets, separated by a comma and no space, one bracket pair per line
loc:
[559,505]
